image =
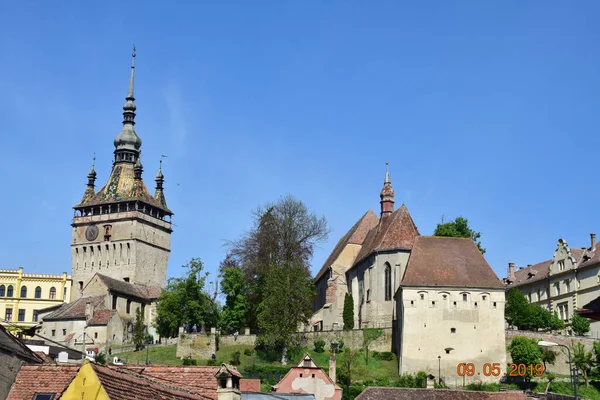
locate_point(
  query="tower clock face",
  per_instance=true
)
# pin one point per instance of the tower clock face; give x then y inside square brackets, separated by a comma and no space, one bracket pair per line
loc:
[91,233]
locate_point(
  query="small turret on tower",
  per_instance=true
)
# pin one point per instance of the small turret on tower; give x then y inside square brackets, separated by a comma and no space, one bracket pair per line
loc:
[387,194]
[89,190]
[159,195]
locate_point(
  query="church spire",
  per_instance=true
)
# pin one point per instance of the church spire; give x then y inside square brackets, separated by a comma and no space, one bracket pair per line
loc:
[127,143]
[89,190]
[387,194]
[160,180]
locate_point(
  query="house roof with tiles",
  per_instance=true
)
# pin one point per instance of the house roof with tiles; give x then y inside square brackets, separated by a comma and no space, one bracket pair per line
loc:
[76,309]
[45,378]
[138,290]
[356,235]
[396,231]
[448,261]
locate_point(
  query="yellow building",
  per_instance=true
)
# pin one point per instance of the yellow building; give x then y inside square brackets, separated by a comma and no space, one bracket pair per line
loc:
[22,296]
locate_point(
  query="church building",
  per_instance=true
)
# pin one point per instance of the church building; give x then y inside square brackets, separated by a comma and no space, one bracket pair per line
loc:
[438,295]
[120,248]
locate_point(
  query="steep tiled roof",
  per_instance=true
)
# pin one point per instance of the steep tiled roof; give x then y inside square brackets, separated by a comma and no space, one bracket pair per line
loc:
[123,386]
[122,186]
[249,385]
[46,359]
[131,289]
[356,235]
[76,309]
[395,231]
[11,345]
[41,379]
[385,393]
[590,256]
[448,261]
[101,317]
[532,273]
[199,380]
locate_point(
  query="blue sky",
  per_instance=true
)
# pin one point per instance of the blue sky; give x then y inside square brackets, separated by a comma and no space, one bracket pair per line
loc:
[484,109]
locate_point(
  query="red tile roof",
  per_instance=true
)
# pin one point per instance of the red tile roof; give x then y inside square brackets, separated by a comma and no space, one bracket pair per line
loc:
[120,385]
[356,235]
[138,290]
[385,393]
[41,379]
[250,385]
[101,317]
[448,261]
[394,231]
[199,380]
[532,273]
[76,309]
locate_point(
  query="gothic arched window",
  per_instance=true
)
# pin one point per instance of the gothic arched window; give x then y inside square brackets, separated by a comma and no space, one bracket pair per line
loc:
[2,290]
[23,291]
[53,292]
[9,291]
[38,292]
[388,282]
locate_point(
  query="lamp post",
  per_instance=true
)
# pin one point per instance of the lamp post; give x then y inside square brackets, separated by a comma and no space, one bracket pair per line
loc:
[440,370]
[543,343]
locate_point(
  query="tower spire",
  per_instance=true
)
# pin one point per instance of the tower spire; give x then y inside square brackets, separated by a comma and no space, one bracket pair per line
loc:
[387,194]
[89,190]
[160,180]
[127,143]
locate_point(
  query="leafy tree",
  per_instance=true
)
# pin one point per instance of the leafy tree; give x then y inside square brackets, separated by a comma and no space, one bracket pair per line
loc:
[369,336]
[100,358]
[185,301]
[556,324]
[528,316]
[525,351]
[548,356]
[348,365]
[348,314]
[275,258]
[233,285]
[582,359]
[580,325]
[139,329]
[458,228]
[287,303]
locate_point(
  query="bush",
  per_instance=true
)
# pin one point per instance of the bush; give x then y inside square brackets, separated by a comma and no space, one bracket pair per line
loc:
[352,392]
[340,346]
[421,379]
[248,352]
[412,381]
[210,362]
[189,361]
[100,358]
[319,346]
[368,382]
[270,374]
[383,356]
[235,360]
[382,381]
[483,387]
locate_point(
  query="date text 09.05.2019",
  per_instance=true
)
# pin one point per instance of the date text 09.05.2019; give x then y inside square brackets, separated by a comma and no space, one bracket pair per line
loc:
[489,369]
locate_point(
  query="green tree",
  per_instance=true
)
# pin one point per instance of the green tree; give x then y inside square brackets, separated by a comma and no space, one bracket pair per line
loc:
[580,325]
[348,313]
[458,228]
[348,364]
[582,359]
[185,301]
[369,336]
[525,351]
[139,329]
[548,356]
[233,285]
[556,324]
[275,258]
[287,303]
[527,316]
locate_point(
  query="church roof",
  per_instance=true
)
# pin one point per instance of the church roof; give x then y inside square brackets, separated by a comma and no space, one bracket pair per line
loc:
[356,235]
[101,317]
[74,310]
[132,289]
[395,231]
[122,186]
[448,261]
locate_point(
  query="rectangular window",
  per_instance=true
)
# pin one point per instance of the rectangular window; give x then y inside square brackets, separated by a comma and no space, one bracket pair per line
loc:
[64,332]
[8,315]
[35,315]
[465,297]
[53,332]
[43,396]
[21,315]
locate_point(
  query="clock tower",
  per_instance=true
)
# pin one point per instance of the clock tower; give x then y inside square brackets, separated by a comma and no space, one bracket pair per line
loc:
[121,230]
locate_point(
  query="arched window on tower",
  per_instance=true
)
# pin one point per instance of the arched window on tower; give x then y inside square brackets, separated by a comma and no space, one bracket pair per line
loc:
[388,282]
[2,290]
[53,293]
[23,291]
[9,291]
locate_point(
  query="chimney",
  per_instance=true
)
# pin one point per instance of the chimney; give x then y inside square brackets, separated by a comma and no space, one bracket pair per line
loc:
[332,361]
[89,310]
[593,237]
[228,384]
[511,271]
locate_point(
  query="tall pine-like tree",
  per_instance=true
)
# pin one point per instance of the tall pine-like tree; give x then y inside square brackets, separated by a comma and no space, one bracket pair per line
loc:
[348,314]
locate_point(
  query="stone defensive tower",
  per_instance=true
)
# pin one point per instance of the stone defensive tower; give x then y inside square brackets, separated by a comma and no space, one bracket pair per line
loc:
[122,231]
